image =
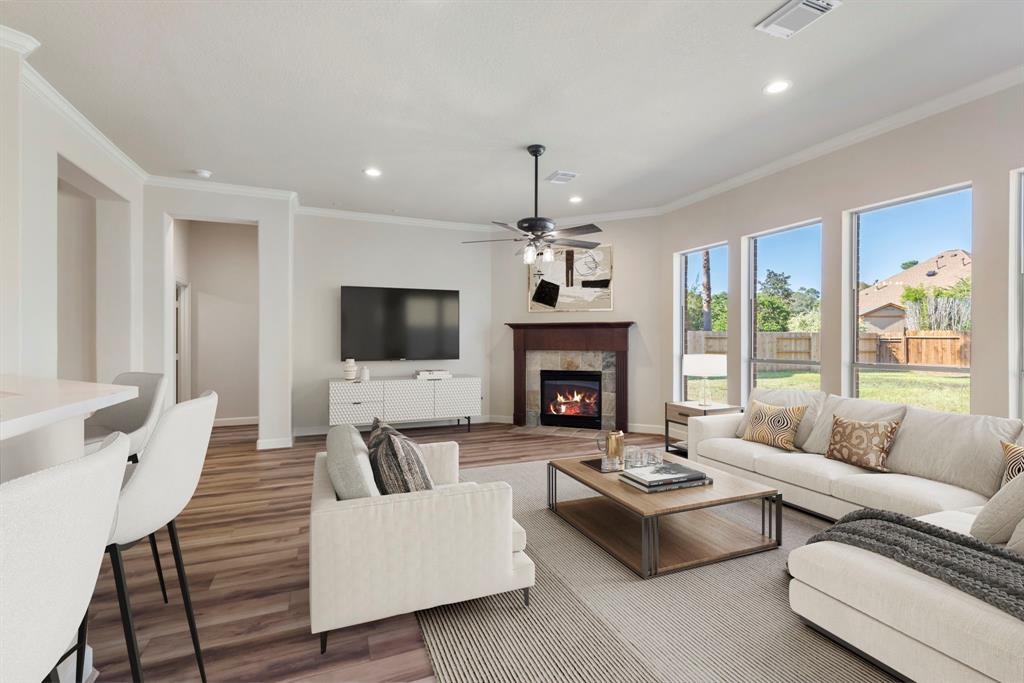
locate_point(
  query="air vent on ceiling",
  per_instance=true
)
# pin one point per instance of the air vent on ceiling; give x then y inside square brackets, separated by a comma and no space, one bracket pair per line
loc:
[561,177]
[795,15]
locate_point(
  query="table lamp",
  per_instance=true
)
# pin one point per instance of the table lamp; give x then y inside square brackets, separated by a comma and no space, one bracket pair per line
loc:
[703,366]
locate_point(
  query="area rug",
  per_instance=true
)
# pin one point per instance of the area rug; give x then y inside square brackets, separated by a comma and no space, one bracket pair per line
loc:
[591,619]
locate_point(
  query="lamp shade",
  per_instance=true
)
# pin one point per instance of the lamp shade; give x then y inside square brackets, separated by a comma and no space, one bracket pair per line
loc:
[704,364]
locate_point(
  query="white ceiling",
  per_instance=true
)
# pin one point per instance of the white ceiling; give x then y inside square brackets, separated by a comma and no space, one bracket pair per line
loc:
[649,102]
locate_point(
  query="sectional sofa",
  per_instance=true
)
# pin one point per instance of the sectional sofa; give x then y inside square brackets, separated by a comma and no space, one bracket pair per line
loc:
[944,468]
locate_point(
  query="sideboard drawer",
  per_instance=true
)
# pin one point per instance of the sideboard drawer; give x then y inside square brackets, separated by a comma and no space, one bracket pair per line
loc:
[351,392]
[355,413]
[408,400]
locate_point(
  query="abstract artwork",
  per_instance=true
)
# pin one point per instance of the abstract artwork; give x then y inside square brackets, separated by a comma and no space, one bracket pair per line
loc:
[577,280]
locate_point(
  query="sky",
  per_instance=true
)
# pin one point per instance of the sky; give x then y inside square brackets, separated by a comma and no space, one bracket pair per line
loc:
[913,230]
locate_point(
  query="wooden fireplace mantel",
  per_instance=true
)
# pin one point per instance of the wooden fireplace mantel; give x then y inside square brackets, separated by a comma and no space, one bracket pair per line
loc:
[595,336]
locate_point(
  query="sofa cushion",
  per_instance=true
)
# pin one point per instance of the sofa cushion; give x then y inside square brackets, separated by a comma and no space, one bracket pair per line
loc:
[518,537]
[1016,542]
[1001,515]
[348,464]
[924,608]
[786,397]
[809,470]
[955,520]
[735,452]
[963,450]
[864,444]
[860,409]
[774,425]
[1014,454]
[904,493]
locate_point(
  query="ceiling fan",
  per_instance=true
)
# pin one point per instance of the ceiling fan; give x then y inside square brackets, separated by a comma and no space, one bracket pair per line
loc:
[540,233]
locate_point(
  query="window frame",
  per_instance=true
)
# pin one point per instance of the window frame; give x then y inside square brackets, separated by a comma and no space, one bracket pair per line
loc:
[1017,228]
[680,327]
[853,293]
[751,312]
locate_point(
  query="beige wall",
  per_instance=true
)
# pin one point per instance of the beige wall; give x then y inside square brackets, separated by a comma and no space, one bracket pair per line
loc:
[637,257]
[220,264]
[76,284]
[979,142]
[331,252]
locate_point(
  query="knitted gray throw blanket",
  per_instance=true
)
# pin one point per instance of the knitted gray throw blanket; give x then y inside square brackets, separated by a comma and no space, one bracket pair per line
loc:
[986,571]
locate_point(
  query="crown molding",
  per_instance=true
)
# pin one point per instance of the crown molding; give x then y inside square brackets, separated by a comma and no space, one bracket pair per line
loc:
[41,87]
[628,214]
[22,43]
[975,91]
[196,185]
[393,220]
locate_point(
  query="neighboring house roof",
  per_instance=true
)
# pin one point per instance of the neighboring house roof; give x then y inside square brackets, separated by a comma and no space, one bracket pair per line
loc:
[942,270]
[895,307]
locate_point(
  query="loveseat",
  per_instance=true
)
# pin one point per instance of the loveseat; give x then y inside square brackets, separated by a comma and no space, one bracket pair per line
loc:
[944,468]
[383,555]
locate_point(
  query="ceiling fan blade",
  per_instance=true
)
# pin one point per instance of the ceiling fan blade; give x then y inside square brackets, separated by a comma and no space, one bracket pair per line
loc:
[579,244]
[587,229]
[508,227]
[510,239]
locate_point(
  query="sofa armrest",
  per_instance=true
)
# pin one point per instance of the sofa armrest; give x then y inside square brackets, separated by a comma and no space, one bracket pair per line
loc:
[370,558]
[442,461]
[711,427]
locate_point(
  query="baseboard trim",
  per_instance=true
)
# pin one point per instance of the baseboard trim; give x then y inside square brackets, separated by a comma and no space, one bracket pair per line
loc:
[646,429]
[269,444]
[236,421]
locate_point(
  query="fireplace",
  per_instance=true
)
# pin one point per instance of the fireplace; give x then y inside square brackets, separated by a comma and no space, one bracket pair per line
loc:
[570,398]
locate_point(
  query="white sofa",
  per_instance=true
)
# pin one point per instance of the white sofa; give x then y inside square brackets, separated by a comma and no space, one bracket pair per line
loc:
[945,467]
[376,557]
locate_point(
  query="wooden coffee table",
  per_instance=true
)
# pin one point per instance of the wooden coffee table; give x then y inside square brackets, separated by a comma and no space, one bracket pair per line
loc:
[659,533]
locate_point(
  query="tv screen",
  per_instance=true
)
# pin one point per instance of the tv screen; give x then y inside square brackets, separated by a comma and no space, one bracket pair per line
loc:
[387,323]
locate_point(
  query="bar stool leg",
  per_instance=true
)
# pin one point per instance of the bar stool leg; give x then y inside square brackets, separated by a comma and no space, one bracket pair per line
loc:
[83,633]
[117,562]
[156,561]
[179,564]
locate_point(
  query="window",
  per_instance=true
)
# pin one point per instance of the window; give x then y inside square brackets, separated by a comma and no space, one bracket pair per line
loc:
[912,262]
[785,308]
[704,284]
[1019,236]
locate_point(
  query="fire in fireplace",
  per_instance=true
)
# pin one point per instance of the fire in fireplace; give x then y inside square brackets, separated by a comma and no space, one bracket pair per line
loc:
[570,398]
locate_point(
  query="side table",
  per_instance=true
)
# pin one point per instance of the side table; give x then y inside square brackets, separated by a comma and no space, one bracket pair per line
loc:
[680,413]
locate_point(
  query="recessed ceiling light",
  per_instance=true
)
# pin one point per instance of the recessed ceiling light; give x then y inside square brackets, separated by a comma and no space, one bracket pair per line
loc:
[203,173]
[775,87]
[372,172]
[575,199]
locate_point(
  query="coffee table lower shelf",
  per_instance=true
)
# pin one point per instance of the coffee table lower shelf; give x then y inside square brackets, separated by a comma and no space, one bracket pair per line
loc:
[685,539]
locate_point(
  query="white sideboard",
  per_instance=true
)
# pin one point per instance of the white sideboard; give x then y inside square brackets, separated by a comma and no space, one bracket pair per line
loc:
[404,400]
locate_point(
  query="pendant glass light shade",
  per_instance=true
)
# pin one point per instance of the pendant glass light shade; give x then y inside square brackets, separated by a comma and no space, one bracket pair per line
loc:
[529,254]
[548,255]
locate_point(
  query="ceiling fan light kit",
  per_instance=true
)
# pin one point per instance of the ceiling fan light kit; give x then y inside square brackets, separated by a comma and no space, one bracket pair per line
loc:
[542,234]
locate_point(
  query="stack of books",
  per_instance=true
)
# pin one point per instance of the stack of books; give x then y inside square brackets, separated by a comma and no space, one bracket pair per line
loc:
[433,374]
[667,476]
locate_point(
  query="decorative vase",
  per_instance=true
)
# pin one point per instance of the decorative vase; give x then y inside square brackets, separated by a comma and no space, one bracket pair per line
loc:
[364,374]
[349,370]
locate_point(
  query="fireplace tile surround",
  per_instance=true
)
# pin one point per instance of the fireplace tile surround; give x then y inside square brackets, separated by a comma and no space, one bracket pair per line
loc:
[596,346]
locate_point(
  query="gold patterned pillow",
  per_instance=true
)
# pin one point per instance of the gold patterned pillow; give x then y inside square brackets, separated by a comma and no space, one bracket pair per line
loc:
[774,425]
[1014,455]
[864,444]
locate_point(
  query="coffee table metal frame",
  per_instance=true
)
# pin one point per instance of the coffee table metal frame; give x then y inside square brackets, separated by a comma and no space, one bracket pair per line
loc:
[650,542]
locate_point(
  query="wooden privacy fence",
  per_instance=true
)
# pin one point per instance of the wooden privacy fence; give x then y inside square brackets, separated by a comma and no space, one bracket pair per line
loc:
[914,347]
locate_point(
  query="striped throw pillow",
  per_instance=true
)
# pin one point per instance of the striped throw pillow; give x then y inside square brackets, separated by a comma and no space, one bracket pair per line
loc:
[774,425]
[396,461]
[1014,455]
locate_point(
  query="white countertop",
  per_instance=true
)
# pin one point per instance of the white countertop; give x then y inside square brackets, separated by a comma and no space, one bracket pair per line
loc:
[29,403]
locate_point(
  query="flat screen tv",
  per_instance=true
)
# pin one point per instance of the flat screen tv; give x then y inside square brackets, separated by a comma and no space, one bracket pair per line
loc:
[388,323]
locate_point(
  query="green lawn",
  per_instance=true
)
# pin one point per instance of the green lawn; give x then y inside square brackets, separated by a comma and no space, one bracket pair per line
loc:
[938,391]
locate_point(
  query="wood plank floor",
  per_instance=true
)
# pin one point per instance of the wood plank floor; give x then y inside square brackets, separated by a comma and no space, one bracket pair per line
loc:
[244,540]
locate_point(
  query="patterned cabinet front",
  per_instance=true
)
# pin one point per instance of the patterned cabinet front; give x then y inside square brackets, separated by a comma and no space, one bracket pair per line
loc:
[408,400]
[457,397]
[355,403]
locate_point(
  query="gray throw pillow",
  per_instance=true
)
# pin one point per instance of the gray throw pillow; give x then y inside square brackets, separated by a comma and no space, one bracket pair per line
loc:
[1002,514]
[348,464]
[397,461]
[1016,542]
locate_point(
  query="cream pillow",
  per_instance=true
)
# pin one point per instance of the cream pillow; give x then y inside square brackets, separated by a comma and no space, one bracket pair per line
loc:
[774,425]
[997,521]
